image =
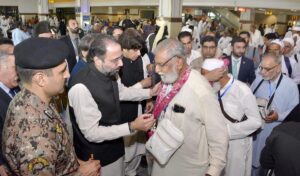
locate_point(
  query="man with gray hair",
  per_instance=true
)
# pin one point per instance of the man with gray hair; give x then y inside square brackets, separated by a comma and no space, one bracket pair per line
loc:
[8,85]
[187,100]
[289,66]
[276,96]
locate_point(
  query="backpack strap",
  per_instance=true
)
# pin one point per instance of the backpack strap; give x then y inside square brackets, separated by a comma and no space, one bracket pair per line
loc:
[296,57]
[288,65]
[232,120]
[253,54]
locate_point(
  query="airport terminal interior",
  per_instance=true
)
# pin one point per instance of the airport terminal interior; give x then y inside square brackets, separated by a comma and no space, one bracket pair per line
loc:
[150,87]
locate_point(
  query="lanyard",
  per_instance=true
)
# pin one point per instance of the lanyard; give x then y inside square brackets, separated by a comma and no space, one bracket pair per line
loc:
[270,90]
[220,96]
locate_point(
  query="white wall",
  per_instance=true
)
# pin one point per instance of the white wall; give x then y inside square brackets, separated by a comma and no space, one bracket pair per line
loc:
[24,6]
[271,4]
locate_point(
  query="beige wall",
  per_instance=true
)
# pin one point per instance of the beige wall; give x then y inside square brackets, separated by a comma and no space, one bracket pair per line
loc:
[118,12]
[281,21]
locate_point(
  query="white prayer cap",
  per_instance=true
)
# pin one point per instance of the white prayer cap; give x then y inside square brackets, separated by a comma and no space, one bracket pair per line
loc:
[289,29]
[186,29]
[278,42]
[289,40]
[296,28]
[211,64]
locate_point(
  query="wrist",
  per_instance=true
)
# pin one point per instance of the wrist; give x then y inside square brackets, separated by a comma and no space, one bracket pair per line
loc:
[131,128]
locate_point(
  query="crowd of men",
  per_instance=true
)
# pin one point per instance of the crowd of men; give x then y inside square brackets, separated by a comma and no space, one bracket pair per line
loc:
[87,104]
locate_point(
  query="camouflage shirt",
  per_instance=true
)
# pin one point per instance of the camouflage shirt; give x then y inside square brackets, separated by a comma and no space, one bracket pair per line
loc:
[35,139]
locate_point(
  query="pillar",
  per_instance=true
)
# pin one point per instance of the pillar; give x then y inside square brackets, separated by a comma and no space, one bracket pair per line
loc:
[109,14]
[246,19]
[171,11]
[82,12]
[281,25]
[43,10]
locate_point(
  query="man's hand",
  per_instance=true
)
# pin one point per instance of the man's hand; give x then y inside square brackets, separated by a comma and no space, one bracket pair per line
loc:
[3,171]
[146,82]
[90,167]
[149,106]
[215,74]
[256,60]
[273,116]
[155,90]
[143,122]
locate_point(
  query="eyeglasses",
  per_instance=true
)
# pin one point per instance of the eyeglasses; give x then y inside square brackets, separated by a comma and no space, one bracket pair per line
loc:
[164,63]
[267,69]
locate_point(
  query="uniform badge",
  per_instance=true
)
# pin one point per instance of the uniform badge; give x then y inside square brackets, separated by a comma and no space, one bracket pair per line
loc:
[58,128]
[39,162]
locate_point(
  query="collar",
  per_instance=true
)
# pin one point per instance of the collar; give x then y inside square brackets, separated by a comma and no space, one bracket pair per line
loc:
[99,74]
[5,88]
[126,59]
[33,100]
[228,84]
[73,37]
[38,104]
[276,80]
[236,59]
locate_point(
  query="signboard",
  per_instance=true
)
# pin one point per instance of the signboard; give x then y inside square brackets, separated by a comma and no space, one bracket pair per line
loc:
[86,18]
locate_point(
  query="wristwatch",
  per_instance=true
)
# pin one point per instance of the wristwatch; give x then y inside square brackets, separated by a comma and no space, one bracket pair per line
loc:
[130,129]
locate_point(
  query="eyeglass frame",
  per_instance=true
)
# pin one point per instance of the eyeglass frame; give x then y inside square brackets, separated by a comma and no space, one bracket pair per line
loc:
[267,69]
[164,63]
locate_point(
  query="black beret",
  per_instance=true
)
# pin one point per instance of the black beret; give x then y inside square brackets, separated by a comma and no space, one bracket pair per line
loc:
[40,53]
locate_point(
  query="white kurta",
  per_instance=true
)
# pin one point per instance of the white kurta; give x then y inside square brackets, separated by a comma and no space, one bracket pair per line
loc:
[237,101]
[205,135]
[256,38]
[135,144]
[88,114]
[224,42]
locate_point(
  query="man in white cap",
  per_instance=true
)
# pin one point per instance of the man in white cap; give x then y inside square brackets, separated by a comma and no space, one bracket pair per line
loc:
[288,48]
[289,66]
[289,33]
[296,36]
[289,51]
[242,119]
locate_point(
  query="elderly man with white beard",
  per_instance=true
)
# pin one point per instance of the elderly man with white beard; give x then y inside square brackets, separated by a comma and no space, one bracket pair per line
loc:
[289,51]
[289,66]
[276,94]
[187,100]
[240,110]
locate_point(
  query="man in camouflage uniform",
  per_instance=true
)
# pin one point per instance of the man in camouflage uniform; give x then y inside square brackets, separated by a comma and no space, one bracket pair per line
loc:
[35,139]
